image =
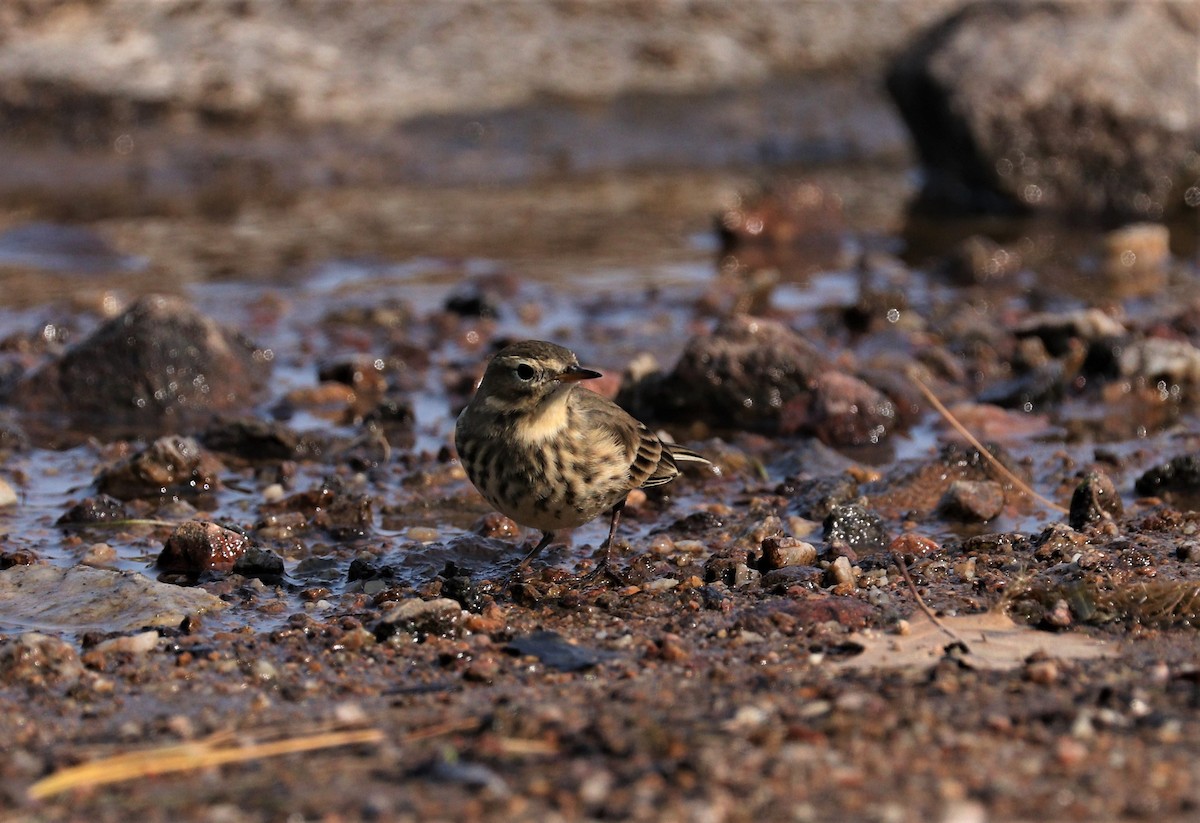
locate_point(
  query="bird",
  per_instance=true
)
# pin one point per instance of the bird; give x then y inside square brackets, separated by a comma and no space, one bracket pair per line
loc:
[551,454]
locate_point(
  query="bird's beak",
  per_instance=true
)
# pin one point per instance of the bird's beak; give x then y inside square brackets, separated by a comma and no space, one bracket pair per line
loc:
[574,374]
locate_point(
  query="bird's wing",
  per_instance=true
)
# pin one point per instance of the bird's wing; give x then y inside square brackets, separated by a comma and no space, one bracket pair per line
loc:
[651,461]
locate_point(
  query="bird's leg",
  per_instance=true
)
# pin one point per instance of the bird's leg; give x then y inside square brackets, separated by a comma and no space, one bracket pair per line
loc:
[536,550]
[603,567]
[515,574]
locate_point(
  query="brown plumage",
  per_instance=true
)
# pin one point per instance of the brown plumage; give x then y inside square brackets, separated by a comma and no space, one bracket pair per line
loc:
[549,453]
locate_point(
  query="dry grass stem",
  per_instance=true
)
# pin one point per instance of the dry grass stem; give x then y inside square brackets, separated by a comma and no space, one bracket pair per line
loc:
[1019,484]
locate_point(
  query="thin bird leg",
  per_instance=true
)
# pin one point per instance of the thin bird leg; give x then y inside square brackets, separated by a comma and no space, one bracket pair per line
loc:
[603,567]
[612,526]
[536,550]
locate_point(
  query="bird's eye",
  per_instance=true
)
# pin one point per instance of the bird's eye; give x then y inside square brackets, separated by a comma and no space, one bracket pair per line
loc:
[525,371]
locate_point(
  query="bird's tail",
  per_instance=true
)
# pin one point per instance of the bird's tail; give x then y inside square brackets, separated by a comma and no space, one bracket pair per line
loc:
[683,454]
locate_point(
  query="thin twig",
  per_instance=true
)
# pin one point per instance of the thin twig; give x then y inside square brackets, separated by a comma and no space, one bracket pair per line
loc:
[921,604]
[1017,482]
[180,757]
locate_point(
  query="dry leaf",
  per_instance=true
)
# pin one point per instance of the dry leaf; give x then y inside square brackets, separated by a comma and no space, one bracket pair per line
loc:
[992,641]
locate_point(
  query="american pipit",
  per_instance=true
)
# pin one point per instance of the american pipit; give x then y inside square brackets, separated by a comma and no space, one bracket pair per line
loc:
[551,454]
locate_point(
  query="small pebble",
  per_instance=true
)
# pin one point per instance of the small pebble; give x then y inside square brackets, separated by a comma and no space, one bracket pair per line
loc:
[100,555]
[840,572]
[130,644]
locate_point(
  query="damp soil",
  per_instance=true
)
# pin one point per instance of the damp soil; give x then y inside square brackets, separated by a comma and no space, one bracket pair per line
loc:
[712,675]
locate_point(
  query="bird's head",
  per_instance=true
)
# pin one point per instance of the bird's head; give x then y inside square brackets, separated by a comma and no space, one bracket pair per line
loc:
[523,375]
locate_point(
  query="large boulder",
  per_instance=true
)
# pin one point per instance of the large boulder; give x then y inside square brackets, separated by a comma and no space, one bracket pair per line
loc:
[758,375]
[1076,107]
[159,366]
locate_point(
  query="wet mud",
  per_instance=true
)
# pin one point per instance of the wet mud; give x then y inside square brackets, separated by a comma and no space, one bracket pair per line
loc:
[944,566]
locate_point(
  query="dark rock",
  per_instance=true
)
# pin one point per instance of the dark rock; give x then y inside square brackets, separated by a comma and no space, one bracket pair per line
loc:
[858,527]
[1179,474]
[343,513]
[255,440]
[159,365]
[368,568]
[259,562]
[198,546]
[170,465]
[817,497]
[1059,106]
[459,586]
[731,568]
[316,570]
[739,377]
[553,650]
[1033,391]
[18,557]
[474,302]
[99,509]
[785,578]
[1094,500]
[841,411]
[397,418]
[441,617]
[1057,330]
[972,501]
[695,525]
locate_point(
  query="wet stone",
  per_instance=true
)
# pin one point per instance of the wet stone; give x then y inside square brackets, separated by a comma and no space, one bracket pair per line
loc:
[99,509]
[169,465]
[979,259]
[441,617]
[779,552]
[256,440]
[259,562]
[81,598]
[395,415]
[741,376]
[858,527]
[841,411]
[159,364]
[974,89]
[815,498]
[334,507]
[1094,500]
[840,573]
[1058,330]
[1181,473]
[18,557]
[198,546]
[789,576]
[972,501]
[731,568]
[132,644]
